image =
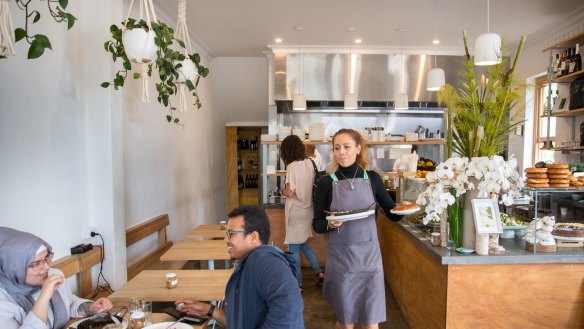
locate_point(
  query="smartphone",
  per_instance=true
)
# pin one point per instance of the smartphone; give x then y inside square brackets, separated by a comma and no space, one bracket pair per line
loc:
[186,318]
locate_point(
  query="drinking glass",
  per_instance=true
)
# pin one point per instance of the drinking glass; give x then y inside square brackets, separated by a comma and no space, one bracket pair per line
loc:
[147,309]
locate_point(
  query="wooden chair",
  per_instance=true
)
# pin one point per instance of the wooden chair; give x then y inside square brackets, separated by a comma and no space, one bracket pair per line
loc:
[151,261]
[80,265]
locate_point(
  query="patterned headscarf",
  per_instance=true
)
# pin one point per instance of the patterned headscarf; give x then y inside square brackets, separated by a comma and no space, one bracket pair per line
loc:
[17,250]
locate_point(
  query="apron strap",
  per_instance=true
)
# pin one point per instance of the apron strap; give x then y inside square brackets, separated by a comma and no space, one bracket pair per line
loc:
[334,177]
[365,176]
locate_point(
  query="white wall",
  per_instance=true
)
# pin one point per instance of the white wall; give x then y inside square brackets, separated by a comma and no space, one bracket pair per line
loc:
[73,154]
[240,88]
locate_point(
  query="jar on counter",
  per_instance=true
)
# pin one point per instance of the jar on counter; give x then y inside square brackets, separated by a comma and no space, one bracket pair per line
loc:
[171,280]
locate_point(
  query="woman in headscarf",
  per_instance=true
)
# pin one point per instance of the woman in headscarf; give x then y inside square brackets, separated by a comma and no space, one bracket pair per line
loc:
[32,295]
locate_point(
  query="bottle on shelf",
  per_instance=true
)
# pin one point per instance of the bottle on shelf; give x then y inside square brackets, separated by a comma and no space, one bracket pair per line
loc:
[240,184]
[570,61]
[244,143]
[562,67]
[577,59]
[556,64]
[239,142]
[239,163]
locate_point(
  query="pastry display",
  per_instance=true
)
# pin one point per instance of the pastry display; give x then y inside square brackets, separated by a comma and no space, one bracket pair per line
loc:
[571,230]
[540,230]
[536,177]
[405,206]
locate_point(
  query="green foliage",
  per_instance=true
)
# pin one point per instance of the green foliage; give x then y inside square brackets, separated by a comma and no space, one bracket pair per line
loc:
[478,118]
[166,63]
[39,42]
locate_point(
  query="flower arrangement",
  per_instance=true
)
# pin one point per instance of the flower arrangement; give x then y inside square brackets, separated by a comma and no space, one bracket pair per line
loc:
[493,176]
[479,116]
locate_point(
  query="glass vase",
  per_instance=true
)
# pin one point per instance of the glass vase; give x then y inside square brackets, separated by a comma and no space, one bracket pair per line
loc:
[455,220]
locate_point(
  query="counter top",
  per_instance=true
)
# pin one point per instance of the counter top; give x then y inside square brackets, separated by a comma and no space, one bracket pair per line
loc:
[515,252]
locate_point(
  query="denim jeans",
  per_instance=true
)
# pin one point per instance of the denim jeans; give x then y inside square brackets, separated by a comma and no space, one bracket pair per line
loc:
[295,248]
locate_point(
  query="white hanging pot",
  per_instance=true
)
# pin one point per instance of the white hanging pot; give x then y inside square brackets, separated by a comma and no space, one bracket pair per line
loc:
[139,45]
[187,71]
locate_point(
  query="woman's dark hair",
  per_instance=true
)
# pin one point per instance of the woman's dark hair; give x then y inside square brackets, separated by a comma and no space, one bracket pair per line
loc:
[254,219]
[292,149]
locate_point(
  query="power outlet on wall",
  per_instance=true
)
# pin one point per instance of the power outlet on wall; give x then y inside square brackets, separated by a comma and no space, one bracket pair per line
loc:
[86,233]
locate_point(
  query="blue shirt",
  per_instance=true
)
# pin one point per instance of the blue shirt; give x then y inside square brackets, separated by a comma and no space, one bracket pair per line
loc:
[263,292]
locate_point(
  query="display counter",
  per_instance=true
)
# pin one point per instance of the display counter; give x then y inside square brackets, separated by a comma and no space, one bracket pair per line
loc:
[440,288]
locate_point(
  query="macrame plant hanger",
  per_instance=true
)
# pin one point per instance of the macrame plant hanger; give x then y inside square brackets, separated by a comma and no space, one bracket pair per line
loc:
[188,70]
[146,8]
[6,30]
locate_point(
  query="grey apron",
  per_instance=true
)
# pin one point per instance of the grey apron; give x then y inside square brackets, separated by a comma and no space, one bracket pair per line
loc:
[354,285]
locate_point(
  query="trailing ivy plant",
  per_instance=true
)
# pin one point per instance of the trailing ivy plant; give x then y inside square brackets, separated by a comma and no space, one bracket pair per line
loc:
[167,62]
[39,42]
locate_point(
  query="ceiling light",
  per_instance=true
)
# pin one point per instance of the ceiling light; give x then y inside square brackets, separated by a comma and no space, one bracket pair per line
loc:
[435,79]
[401,99]
[358,40]
[278,40]
[488,46]
[436,41]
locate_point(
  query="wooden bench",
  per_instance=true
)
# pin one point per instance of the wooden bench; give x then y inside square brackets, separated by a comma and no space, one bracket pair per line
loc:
[151,261]
[80,265]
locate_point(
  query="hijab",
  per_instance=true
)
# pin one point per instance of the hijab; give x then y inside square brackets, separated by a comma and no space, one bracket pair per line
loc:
[17,250]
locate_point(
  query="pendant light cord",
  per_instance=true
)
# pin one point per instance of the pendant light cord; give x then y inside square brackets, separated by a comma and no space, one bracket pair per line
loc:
[488,15]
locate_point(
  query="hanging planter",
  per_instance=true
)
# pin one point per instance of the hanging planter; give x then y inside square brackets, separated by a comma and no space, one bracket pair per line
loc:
[166,61]
[139,45]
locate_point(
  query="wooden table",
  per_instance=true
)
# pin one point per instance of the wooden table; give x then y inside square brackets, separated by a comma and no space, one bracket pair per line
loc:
[156,318]
[198,250]
[205,285]
[207,231]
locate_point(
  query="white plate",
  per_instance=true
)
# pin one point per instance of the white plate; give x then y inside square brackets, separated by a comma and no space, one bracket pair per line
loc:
[405,212]
[163,325]
[359,215]
[124,324]
[568,238]
[465,250]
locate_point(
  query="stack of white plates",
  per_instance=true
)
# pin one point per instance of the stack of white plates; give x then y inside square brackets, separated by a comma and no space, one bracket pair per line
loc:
[268,138]
[316,131]
[299,132]
[284,132]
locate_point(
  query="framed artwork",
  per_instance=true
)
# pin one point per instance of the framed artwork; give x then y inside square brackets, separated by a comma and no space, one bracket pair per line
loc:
[561,104]
[486,216]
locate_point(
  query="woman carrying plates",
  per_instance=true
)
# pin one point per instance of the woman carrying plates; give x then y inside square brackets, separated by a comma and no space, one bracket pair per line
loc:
[353,285]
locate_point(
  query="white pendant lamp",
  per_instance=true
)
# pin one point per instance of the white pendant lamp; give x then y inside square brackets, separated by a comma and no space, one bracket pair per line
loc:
[299,101]
[401,99]
[436,78]
[488,46]
[350,102]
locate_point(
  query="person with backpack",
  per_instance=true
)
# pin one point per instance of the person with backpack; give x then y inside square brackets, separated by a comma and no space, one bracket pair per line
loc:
[298,211]
[354,286]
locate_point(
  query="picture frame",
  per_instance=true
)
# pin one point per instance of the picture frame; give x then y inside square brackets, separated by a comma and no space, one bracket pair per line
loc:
[562,103]
[486,216]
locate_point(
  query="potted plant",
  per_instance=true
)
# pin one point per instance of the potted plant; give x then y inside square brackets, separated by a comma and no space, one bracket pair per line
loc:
[167,61]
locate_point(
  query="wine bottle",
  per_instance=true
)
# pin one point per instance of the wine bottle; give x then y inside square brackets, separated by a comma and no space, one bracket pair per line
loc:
[577,59]
[562,68]
[556,64]
[571,63]
[239,164]
[240,182]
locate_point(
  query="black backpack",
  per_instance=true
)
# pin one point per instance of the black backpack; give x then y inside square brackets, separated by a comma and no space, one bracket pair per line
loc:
[318,175]
[577,94]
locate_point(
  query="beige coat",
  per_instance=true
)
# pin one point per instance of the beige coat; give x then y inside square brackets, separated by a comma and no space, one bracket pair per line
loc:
[299,210]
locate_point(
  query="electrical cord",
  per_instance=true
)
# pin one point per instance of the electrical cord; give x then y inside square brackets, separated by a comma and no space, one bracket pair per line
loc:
[107,286]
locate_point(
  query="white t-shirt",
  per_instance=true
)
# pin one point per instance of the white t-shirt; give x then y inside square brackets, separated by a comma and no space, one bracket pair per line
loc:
[298,210]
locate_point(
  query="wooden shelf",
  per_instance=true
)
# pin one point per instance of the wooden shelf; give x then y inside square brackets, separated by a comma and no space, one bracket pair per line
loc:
[279,174]
[566,42]
[570,77]
[426,142]
[569,113]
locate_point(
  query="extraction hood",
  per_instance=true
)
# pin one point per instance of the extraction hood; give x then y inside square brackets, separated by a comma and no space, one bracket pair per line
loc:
[375,78]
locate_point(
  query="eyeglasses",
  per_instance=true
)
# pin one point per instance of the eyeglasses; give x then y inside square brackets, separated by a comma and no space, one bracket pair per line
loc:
[229,233]
[38,265]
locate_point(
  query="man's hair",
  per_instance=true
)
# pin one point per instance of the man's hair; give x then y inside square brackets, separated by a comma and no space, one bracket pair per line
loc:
[254,219]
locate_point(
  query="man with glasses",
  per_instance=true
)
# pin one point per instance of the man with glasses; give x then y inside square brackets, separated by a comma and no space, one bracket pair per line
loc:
[262,291]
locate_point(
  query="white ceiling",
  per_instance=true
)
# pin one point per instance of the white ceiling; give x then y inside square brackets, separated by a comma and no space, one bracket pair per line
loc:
[241,28]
